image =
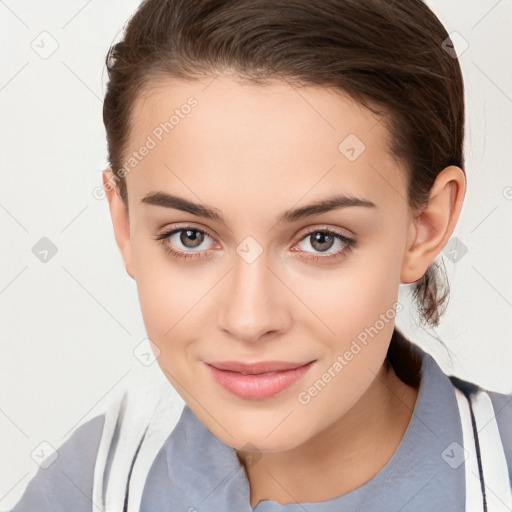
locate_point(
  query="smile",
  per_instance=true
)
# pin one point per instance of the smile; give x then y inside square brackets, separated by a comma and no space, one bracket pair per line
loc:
[258,381]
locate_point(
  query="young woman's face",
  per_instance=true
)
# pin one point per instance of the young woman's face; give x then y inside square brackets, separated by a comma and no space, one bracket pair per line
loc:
[246,283]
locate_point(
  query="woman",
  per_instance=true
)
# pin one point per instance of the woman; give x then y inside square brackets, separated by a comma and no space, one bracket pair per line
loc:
[277,170]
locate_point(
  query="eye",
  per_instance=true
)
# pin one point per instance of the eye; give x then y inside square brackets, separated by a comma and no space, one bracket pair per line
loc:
[190,241]
[324,239]
[187,239]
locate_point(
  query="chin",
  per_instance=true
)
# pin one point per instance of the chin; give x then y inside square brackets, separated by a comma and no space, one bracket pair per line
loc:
[270,436]
[262,445]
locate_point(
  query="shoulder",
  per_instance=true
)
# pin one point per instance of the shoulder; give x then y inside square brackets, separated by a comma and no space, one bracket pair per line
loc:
[66,484]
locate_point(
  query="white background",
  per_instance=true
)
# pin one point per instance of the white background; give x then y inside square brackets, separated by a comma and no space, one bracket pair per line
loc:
[68,327]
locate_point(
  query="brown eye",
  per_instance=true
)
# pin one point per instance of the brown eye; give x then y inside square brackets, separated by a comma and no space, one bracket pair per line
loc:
[321,240]
[181,242]
[191,238]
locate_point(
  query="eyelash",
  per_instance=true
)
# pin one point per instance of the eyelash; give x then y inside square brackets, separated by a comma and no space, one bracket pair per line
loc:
[348,244]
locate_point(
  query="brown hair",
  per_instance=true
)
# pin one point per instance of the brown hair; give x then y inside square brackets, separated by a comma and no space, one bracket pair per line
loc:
[389,56]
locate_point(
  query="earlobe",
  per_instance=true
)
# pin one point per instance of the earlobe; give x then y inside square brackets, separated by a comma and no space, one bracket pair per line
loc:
[120,219]
[431,228]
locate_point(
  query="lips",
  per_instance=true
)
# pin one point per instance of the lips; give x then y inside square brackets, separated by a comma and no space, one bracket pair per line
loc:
[257,381]
[256,368]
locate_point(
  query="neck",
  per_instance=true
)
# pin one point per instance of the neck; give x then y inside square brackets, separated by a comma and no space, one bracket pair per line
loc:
[343,456]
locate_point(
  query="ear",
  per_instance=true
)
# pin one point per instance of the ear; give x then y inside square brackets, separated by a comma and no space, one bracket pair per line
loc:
[120,219]
[430,229]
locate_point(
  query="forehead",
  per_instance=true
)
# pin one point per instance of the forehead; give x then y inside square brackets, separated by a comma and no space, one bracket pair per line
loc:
[251,137]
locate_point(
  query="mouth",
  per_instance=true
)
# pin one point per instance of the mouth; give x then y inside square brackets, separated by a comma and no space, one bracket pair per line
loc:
[257,381]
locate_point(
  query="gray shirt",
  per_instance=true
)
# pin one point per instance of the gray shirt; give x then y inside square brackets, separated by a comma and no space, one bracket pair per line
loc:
[196,472]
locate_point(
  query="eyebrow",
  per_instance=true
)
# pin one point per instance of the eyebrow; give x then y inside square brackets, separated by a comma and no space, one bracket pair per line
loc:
[325,205]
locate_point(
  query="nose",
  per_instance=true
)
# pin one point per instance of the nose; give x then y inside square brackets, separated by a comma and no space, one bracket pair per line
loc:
[254,303]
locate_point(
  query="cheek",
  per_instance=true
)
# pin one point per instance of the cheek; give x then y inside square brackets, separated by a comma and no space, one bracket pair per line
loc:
[358,308]
[347,299]
[167,295]
[355,308]
[177,302]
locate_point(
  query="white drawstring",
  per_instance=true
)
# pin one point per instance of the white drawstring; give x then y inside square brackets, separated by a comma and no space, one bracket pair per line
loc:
[493,471]
[147,410]
[474,497]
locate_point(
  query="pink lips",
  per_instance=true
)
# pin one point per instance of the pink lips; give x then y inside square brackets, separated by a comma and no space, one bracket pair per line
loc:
[258,380]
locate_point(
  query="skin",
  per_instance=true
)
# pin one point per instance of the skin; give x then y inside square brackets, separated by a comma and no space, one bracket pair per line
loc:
[251,152]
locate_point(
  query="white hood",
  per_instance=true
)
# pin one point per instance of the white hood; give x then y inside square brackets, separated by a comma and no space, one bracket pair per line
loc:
[137,423]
